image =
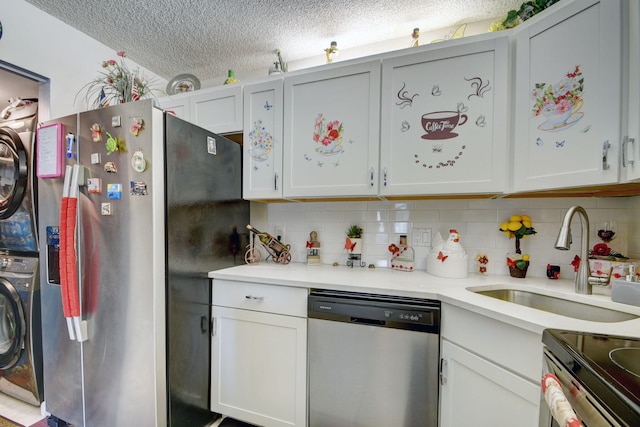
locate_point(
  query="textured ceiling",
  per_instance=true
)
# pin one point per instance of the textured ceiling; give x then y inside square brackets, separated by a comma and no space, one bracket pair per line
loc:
[208,37]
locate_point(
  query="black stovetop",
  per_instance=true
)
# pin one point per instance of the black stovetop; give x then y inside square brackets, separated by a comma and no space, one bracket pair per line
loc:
[609,366]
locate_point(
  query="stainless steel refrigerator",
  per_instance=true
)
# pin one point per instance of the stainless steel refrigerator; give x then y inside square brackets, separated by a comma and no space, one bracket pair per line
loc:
[158,206]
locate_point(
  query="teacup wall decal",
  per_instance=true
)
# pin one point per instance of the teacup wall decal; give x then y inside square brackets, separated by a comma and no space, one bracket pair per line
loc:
[440,124]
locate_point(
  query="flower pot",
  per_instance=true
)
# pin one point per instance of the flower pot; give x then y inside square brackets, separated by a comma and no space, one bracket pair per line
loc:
[517,266]
[354,245]
[518,272]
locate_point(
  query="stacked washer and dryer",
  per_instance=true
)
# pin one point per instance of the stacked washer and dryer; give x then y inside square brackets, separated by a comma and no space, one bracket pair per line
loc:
[20,326]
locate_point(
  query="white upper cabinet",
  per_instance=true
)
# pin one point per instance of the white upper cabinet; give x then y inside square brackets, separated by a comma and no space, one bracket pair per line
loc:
[631,147]
[331,131]
[177,105]
[219,109]
[445,112]
[568,97]
[262,140]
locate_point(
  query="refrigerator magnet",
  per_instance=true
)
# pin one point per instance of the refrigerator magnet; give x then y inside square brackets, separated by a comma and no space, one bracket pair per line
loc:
[138,188]
[50,147]
[138,163]
[114,191]
[110,167]
[136,126]
[96,132]
[115,121]
[95,158]
[112,144]
[94,185]
[105,209]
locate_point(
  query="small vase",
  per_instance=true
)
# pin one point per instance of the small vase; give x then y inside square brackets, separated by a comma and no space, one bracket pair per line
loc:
[355,245]
[517,266]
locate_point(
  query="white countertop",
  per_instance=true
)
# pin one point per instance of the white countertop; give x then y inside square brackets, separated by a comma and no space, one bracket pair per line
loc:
[451,291]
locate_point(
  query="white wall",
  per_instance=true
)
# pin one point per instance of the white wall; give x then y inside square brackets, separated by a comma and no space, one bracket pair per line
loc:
[477,220]
[42,44]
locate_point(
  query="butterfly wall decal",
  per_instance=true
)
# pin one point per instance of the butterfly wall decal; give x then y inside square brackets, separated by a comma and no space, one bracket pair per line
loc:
[349,245]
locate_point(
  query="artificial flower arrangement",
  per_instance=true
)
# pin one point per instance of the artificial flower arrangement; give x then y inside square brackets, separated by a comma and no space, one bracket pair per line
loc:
[518,227]
[527,10]
[117,84]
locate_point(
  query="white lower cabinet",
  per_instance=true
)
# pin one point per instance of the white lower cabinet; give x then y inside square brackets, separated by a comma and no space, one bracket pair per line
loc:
[476,392]
[259,353]
[489,372]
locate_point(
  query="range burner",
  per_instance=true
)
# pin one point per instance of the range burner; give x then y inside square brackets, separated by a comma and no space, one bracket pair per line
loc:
[627,359]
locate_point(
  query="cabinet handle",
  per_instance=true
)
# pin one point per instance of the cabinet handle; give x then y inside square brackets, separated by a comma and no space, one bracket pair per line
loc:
[384,177]
[213,326]
[605,153]
[204,324]
[443,367]
[254,298]
[275,181]
[627,161]
[371,178]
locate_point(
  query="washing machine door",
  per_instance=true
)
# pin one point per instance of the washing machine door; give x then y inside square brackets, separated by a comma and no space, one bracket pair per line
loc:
[12,325]
[14,172]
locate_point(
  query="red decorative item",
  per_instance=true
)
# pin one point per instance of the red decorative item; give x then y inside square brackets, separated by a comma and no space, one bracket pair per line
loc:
[575,263]
[601,249]
[442,257]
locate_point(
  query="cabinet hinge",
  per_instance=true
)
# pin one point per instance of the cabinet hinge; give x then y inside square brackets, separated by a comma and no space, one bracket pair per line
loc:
[443,368]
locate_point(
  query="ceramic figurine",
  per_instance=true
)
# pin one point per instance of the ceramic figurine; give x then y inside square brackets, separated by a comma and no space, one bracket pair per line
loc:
[313,249]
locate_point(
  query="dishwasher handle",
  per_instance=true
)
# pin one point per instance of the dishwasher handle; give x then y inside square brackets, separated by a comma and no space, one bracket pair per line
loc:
[372,322]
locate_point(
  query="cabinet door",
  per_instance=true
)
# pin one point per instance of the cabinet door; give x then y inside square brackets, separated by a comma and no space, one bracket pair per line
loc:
[568,77]
[177,104]
[475,392]
[219,109]
[444,119]
[262,159]
[631,147]
[259,365]
[331,131]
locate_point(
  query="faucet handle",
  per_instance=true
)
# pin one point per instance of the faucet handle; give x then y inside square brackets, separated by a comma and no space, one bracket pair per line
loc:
[600,280]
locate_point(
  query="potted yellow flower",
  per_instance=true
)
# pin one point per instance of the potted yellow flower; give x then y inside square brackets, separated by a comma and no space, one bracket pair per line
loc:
[518,227]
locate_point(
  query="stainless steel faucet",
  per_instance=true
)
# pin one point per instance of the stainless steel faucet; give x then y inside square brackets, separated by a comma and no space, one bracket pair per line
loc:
[563,242]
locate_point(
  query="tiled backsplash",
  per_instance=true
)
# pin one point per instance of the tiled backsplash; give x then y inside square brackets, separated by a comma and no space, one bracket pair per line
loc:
[477,221]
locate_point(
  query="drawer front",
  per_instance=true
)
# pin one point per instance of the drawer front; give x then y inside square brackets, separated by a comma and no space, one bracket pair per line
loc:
[260,297]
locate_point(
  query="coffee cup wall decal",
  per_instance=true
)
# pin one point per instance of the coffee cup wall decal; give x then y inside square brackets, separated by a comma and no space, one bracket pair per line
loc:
[440,124]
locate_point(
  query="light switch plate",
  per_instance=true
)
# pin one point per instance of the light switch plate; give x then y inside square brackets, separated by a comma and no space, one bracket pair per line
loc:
[422,237]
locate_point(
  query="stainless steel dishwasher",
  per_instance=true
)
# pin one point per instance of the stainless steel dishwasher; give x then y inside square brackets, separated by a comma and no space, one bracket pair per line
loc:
[373,360]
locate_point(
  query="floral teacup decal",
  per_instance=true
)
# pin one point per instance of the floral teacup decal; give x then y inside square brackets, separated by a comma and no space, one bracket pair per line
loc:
[328,134]
[559,103]
[260,142]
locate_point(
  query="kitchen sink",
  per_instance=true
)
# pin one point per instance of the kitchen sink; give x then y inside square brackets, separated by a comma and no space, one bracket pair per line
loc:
[561,306]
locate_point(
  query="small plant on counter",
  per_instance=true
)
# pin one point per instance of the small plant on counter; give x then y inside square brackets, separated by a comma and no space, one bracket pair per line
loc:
[354,232]
[518,227]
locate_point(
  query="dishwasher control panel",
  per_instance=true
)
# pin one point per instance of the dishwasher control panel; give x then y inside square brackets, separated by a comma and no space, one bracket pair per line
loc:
[376,310]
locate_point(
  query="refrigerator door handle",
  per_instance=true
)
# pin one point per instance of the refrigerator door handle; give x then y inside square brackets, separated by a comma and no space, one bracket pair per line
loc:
[64,285]
[77,179]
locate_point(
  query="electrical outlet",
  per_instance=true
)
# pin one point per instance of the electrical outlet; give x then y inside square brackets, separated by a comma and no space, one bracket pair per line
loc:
[422,237]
